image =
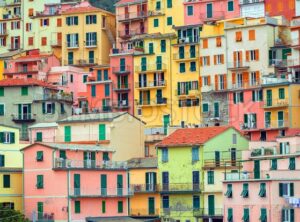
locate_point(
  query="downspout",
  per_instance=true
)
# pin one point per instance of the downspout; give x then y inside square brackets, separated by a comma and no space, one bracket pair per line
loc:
[23,185]
[199,76]
[69,204]
[170,73]
[227,56]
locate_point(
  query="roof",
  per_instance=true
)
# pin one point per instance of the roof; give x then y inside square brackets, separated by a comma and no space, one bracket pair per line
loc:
[3,125]
[137,163]
[25,82]
[69,146]
[29,58]
[192,136]
[129,2]
[10,169]
[84,7]
[10,54]
[115,219]
[44,125]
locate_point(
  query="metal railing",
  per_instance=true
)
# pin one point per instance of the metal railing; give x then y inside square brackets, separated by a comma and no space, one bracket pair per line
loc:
[244,2]
[186,40]
[144,188]
[72,45]
[22,70]
[127,33]
[275,103]
[191,92]
[221,163]
[91,43]
[100,192]
[144,212]
[238,65]
[24,117]
[122,104]
[246,84]
[276,124]
[211,212]
[151,67]
[280,63]
[120,87]
[121,69]
[60,163]
[186,55]
[133,15]
[58,96]
[179,187]
[150,84]
[158,101]
[215,15]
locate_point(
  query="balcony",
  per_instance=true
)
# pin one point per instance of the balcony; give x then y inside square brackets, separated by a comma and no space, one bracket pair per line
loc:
[215,213]
[144,188]
[46,13]
[156,12]
[122,104]
[151,84]
[185,56]
[249,126]
[121,87]
[41,217]
[274,103]
[91,44]
[157,102]
[246,2]
[56,43]
[150,68]
[188,93]
[144,212]
[16,46]
[238,65]
[121,70]
[214,16]
[276,124]
[22,70]
[3,32]
[179,188]
[88,164]
[72,45]
[84,62]
[194,39]
[132,16]
[23,118]
[97,192]
[229,164]
[246,84]
[57,96]
[279,63]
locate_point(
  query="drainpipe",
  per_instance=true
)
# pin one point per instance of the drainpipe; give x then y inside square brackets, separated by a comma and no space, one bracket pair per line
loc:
[170,73]
[227,56]
[69,204]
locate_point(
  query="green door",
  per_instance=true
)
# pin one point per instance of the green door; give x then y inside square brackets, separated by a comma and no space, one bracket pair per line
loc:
[40,208]
[76,184]
[166,121]
[280,119]
[67,133]
[103,184]
[211,204]
[269,97]
[256,169]
[151,205]
[102,132]
[120,185]
[209,10]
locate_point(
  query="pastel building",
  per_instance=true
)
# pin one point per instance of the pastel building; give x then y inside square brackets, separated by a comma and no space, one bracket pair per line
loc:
[293,59]
[113,130]
[145,203]
[194,192]
[42,132]
[11,184]
[33,65]
[68,182]
[266,187]
[202,11]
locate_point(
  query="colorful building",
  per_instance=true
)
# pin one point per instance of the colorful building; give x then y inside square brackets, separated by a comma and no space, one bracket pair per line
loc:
[11,189]
[195,191]
[145,203]
[266,187]
[113,130]
[68,191]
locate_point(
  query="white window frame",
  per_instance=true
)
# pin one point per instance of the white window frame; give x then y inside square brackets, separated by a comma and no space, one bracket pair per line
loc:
[239,80]
[256,95]
[252,55]
[91,40]
[205,61]
[46,108]
[219,59]
[286,189]
[221,83]
[205,80]
[7,139]
[287,215]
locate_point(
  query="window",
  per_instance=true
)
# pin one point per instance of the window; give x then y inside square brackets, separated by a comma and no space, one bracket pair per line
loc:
[39,137]
[6,181]
[238,97]
[229,215]
[155,23]
[91,39]
[7,137]
[234,138]
[254,55]
[39,181]
[30,41]
[84,78]
[287,215]
[206,80]
[93,91]
[228,193]
[165,202]
[218,59]
[284,148]
[158,5]
[72,20]
[169,3]
[24,91]
[107,89]
[286,189]
[188,102]
[190,10]
[163,45]
[238,36]
[205,108]
[182,67]
[245,192]
[30,12]
[196,202]
[169,21]
[205,61]
[230,6]
[292,164]
[210,177]
[274,164]
[91,19]
[257,95]
[195,154]
[48,107]
[2,160]
[165,156]
[15,25]
[246,215]
[39,156]
[262,190]
[28,27]
[72,40]
[77,207]
[263,215]
[193,66]
[44,41]
[105,74]
[2,110]
[281,93]
[120,206]
[103,206]
[251,35]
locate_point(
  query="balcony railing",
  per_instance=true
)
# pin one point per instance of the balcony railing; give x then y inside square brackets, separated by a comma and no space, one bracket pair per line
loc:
[238,65]
[121,87]
[100,192]
[128,33]
[46,13]
[249,126]
[275,103]
[122,104]
[279,63]
[144,212]
[144,188]
[72,45]
[89,61]
[121,69]
[151,84]
[208,212]
[56,43]
[91,43]
[88,164]
[28,117]
[3,32]
[15,46]
[186,55]
[58,96]
[186,40]
[179,188]
[215,15]
[274,124]
[133,15]
[246,84]
[157,102]
[245,2]
[151,67]
[22,70]
[221,163]
[191,92]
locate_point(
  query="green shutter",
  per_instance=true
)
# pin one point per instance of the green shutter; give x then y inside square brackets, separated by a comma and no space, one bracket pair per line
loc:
[40,209]
[120,184]
[229,214]
[151,48]
[76,184]
[103,206]
[291,189]
[1,91]
[107,90]
[192,51]
[155,23]
[281,93]
[234,98]
[67,130]
[169,3]
[103,184]
[245,118]
[246,215]
[230,7]
[6,181]
[292,165]
[39,136]
[292,214]
[120,206]
[24,91]
[280,189]
[40,181]
[105,156]
[169,21]
[12,138]
[77,207]
[163,45]
[2,160]
[1,109]
[39,155]
[143,64]
[102,132]
[158,62]
[93,91]
[62,154]
[274,164]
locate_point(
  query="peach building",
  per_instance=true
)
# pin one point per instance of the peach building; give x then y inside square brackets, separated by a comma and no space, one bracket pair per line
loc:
[67,182]
[266,189]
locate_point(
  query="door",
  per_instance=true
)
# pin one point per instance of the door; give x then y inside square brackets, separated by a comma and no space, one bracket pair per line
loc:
[280,119]
[269,97]
[151,205]
[256,169]
[159,96]
[166,121]
[89,159]
[196,180]
[76,184]
[211,205]
[165,181]
[209,10]
[151,181]
[216,110]
[103,184]
[120,185]
[233,156]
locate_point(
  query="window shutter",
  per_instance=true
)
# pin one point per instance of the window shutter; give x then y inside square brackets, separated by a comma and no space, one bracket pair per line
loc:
[1,137]
[77,206]
[280,189]
[103,206]
[291,189]
[44,107]
[208,80]
[245,118]
[12,137]
[53,108]
[233,78]
[256,54]
[253,96]
[242,97]
[292,214]
[234,98]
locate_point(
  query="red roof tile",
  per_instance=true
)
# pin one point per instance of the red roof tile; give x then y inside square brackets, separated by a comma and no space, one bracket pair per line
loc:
[25,82]
[83,7]
[191,136]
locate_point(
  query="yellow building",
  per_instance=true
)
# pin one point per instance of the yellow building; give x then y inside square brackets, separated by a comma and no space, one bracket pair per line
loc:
[11,184]
[88,34]
[143,181]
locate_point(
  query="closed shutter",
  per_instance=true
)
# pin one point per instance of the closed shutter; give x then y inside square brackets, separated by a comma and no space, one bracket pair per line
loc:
[102,132]
[77,206]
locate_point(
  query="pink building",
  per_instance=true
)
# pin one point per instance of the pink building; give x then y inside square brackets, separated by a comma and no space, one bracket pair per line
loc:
[201,11]
[67,182]
[70,79]
[32,65]
[267,188]
[43,132]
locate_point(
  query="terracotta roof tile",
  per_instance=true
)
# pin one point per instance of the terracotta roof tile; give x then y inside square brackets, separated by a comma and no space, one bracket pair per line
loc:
[192,136]
[25,82]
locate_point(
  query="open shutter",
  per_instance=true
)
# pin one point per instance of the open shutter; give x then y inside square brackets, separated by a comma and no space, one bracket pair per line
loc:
[280,189]
[291,189]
